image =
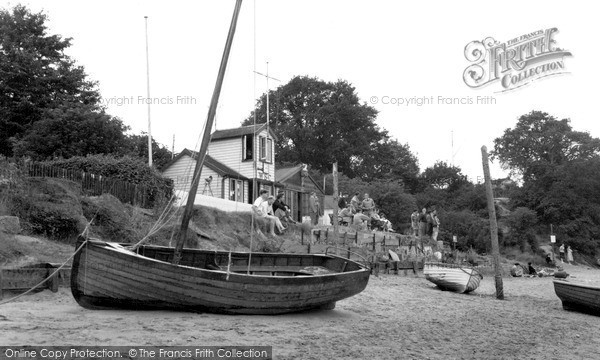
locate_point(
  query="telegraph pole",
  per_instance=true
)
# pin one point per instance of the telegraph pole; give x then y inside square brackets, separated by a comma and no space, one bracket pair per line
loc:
[493,224]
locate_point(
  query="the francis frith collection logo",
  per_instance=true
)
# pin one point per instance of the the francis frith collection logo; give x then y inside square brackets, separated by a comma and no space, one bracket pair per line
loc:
[516,62]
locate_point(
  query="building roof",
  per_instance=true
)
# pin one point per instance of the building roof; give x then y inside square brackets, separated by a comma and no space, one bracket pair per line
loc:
[239,132]
[210,162]
[285,173]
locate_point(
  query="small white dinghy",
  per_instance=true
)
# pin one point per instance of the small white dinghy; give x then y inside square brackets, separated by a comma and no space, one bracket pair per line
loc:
[461,279]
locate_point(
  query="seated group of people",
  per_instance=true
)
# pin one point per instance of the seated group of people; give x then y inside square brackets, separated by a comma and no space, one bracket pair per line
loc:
[363,214]
[518,270]
[273,210]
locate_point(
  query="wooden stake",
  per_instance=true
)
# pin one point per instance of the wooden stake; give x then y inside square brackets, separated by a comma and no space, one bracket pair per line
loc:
[335,204]
[493,225]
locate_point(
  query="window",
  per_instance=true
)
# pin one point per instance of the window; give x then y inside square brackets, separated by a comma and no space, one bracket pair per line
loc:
[266,149]
[235,190]
[247,147]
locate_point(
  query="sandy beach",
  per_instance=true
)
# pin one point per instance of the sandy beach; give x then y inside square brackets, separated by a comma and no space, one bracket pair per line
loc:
[396,317]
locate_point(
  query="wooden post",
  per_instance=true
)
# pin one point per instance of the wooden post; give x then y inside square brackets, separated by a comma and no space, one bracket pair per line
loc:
[493,225]
[553,249]
[373,242]
[335,204]
[53,281]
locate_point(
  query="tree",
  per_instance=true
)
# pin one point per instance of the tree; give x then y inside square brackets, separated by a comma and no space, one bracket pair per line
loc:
[390,160]
[569,198]
[389,197]
[521,223]
[445,177]
[561,175]
[470,230]
[137,145]
[72,130]
[539,142]
[320,122]
[36,75]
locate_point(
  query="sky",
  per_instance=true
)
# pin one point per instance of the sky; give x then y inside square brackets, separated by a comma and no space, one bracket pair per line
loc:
[390,51]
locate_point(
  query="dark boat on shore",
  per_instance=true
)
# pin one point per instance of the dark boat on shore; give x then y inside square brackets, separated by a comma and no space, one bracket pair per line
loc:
[578,297]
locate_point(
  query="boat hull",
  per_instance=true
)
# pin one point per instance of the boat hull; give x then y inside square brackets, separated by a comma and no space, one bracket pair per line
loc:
[578,297]
[104,275]
[458,279]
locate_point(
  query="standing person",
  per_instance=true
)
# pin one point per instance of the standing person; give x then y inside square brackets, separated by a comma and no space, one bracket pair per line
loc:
[429,220]
[569,254]
[423,223]
[414,222]
[342,202]
[436,225]
[368,205]
[315,208]
[561,252]
[355,202]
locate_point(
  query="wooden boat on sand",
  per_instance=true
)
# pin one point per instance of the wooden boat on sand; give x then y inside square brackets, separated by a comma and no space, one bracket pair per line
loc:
[107,275]
[461,279]
[578,296]
[110,275]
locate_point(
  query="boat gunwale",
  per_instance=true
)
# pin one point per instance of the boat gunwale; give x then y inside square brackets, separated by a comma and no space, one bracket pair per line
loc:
[576,284]
[125,252]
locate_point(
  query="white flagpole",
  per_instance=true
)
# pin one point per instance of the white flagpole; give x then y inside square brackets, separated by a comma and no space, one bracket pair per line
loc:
[148,97]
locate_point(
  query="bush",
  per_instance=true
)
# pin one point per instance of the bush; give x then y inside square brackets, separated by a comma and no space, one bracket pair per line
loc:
[111,220]
[521,223]
[11,182]
[49,207]
[471,231]
[389,196]
[128,169]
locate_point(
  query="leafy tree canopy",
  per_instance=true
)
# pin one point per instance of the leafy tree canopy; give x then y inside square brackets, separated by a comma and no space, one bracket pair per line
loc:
[539,142]
[35,74]
[320,122]
[389,197]
[137,145]
[444,176]
[72,130]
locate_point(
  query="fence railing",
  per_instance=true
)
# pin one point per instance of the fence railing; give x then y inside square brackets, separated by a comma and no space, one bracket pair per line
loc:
[91,184]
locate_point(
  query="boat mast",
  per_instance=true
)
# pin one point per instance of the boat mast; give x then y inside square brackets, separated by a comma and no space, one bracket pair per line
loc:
[206,137]
[148,100]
